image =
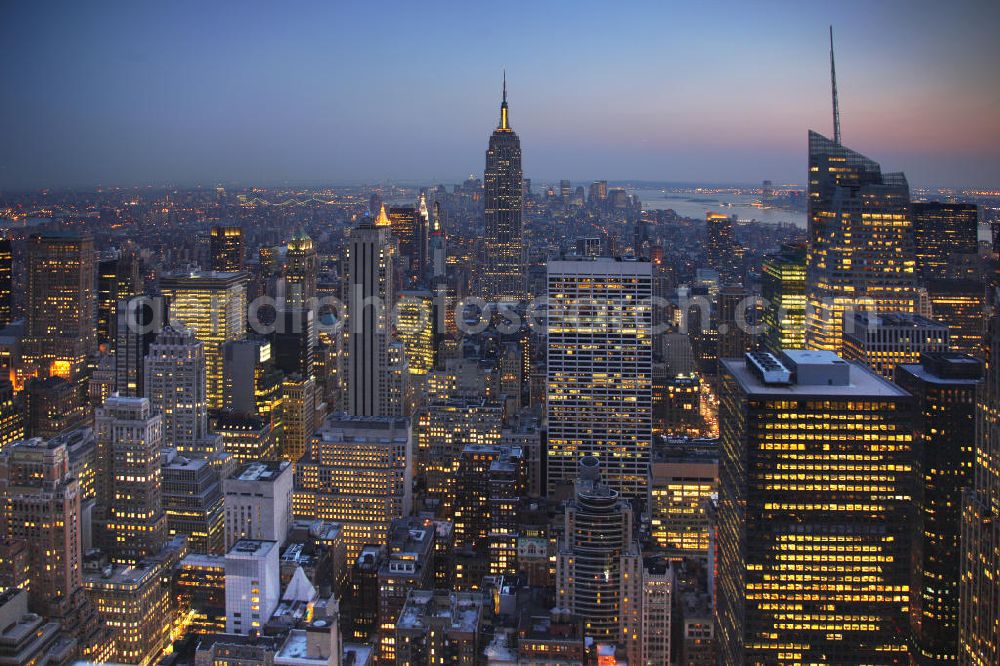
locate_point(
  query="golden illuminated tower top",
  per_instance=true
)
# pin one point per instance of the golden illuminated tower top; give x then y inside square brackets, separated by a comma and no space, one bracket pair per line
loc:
[383,219]
[504,122]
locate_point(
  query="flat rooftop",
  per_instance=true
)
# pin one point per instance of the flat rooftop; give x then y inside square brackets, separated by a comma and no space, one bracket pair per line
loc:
[461,610]
[343,428]
[251,549]
[896,319]
[862,382]
[926,374]
[268,470]
[598,266]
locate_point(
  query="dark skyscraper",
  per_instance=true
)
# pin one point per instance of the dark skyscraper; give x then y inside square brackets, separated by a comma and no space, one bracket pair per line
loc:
[118,278]
[226,246]
[979,605]
[301,269]
[504,202]
[941,230]
[815,512]
[6,281]
[944,387]
[368,290]
[720,248]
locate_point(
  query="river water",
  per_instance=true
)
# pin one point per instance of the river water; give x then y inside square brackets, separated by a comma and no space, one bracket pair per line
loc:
[695,204]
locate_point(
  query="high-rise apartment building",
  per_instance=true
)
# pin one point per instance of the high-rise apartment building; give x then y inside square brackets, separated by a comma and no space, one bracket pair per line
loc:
[53,406]
[815,516]
[246,437]
[676,402]
[503,201]
[11,416]
[443,429]
[979,604]
[408,229]
[439,626]
[251,382]
[134,602]
[600,366]
[944,388]
[647,594]
[129,436]
[175,384]
[860,252]
[214,306]
[408,565]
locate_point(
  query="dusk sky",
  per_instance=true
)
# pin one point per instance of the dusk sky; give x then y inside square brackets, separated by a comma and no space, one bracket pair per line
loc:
[330,92]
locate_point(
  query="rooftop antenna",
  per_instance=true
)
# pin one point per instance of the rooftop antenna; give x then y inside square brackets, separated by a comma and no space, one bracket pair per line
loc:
[504,122]
[836,102]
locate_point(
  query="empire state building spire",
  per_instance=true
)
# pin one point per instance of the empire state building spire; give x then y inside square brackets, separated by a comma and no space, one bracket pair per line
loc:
[504,122]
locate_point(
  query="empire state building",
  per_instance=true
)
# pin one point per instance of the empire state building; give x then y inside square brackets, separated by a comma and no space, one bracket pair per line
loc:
[504,201]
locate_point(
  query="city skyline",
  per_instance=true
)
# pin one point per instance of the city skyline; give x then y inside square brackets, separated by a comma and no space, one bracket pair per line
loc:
[722,94]
[518,417]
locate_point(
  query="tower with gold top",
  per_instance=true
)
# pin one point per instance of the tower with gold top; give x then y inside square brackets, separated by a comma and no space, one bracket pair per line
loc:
[503,278]
[300,271]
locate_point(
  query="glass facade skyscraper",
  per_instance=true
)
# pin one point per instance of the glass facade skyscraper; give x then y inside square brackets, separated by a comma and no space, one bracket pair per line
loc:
[941,230]
[815,512]
[860,241]
[783,289]
[944,386]
[979,605]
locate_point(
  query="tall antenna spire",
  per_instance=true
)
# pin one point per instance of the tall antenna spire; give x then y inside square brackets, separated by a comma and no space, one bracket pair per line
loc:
[504,124]
[836,102]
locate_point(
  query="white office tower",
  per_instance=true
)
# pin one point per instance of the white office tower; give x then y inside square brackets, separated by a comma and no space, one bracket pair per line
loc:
[175,385]
[253,585]
[369,302]
[600,370]
[258,500]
